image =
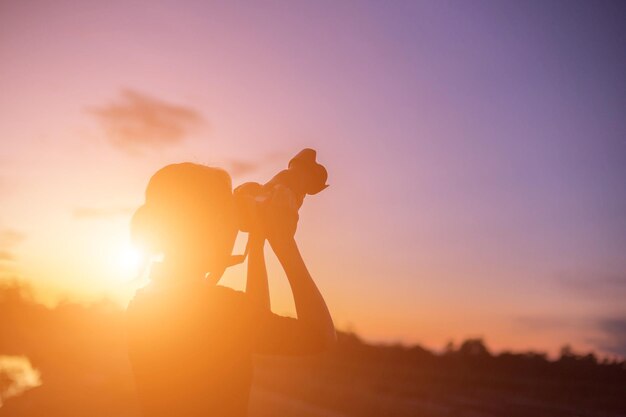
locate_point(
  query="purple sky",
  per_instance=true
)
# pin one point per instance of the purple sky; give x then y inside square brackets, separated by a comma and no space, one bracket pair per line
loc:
[477,150]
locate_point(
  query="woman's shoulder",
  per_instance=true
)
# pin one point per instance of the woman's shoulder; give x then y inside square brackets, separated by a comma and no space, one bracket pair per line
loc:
[238,302]
[217,296]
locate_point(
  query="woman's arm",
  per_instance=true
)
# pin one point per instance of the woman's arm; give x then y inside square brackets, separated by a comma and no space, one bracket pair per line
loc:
[257,287]
[311,309]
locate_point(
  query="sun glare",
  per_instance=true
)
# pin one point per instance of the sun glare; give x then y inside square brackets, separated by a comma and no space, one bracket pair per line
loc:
[129,260]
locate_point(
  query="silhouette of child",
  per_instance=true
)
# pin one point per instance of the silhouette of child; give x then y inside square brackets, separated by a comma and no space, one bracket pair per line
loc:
[190,340]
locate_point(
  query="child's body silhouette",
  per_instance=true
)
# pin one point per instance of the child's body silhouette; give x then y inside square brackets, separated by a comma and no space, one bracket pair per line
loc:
[190,340]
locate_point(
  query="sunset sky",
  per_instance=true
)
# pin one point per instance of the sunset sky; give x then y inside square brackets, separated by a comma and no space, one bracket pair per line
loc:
[476,152]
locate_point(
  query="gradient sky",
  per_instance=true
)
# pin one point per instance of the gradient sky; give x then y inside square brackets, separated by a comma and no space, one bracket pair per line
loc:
[476,150]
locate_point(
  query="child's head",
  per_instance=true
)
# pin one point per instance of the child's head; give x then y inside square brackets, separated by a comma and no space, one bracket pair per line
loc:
[188,216]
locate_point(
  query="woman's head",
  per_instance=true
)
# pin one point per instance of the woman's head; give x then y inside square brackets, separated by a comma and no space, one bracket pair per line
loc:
[188,215]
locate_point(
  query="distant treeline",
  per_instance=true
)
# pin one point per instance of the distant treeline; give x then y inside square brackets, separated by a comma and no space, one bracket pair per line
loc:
[473,355]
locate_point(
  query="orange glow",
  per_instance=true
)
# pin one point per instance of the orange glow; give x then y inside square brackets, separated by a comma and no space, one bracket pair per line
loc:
[467,186]
[457,205]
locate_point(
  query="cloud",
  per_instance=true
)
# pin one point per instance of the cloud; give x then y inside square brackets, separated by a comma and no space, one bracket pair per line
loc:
[137,122]
[608,291]
[82,213]
[597,285]
[614,329]
[239,167]
[5,255]
[19,375]
[547,323]
[9,238]
[606,334]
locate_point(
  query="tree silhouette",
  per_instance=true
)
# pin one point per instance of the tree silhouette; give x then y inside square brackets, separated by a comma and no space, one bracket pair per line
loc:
[474,347]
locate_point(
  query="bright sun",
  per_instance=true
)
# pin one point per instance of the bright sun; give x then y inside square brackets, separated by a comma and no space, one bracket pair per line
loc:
[129,260]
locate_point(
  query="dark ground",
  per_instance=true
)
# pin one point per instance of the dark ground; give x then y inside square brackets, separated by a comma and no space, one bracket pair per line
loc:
[80,353]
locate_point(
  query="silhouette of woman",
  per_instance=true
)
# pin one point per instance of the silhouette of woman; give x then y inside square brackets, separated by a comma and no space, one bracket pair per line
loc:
[191,341]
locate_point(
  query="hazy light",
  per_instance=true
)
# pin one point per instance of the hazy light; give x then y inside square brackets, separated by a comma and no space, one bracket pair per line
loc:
[129,261]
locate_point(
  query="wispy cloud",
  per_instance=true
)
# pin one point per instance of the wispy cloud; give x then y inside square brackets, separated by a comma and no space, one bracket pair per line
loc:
[5,255]
[9,238]
[239,167]
[548,323]
[100,212]
[614,329]
[607,334]
[597,285]
[608,290]
[19,375]
[137,122]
